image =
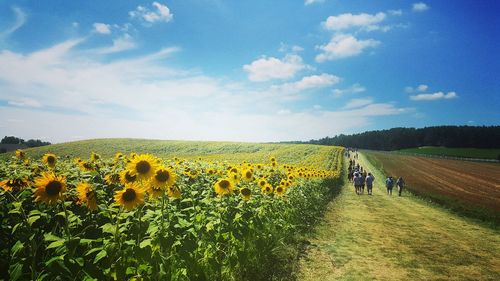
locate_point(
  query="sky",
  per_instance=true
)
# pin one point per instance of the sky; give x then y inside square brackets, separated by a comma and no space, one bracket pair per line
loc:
[254,71]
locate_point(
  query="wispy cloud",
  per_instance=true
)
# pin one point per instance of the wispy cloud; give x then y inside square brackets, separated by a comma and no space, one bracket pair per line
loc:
[120,44]
[308,83]
[19,21]
[80,95]
[434,96]
[356,103]
[269,68]
[348,20]
[420,7]
[102,28]
[354,89]
[161,13]
[419,88]
[310,2]
[344,46]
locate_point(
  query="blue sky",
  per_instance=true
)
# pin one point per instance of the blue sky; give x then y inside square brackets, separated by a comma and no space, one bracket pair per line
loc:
[245,70]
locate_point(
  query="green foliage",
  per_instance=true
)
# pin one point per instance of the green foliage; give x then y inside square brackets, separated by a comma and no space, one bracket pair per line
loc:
[199,236]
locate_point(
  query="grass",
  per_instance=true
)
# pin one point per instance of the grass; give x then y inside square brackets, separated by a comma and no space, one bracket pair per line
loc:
[480,153]
[381,237]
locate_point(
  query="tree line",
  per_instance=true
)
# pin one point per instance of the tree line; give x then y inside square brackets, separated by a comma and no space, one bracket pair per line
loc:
[400,138]
[28,143]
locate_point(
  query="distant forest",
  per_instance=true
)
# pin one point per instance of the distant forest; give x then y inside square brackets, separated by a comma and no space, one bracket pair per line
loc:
[399,138]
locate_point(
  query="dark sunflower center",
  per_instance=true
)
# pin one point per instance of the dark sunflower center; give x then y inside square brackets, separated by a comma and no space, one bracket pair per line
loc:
[279,189]
[248,174]
[246,192]
[224,184]
[129,195]
[162,176]
[129,177]
[143,167]
[53,188]
[87,166]
[268,189]
[51,159]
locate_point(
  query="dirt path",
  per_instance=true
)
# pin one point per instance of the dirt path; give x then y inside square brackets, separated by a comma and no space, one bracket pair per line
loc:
[381,237]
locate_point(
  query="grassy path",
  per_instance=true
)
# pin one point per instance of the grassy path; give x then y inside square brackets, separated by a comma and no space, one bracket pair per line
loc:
[398,238]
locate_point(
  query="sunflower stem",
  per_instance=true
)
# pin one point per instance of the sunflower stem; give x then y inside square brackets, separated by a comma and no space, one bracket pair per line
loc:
[66,225]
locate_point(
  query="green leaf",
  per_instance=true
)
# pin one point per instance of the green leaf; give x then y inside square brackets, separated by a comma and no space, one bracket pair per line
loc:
[56,244]
[33,219]
[93,251]
[17,247]
[145,243]
[108,228]
[100,256]
[16,227]
[84,241]
[54,259]
[51,237]
[15,271]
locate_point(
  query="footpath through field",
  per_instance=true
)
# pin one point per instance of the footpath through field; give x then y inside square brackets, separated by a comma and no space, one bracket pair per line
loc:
[381,237]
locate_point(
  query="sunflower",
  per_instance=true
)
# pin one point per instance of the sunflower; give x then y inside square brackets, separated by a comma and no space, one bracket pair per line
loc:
[49,188]
[245,193]
[94,157]
[85,166]
[118,157]
[50,159]
[87,195]
[223,187]
[20,154]
[262,182]
[155,191]
[127,177]
[280,190]
[248,175]
[13,184]
[130,197]
[267,189]
[163,177]
[143,166]
[174,191]
[112,178]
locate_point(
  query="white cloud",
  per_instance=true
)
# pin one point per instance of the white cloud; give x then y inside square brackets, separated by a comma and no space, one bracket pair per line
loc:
[308,83]
[160,14]
[348,20]
[356,103]
[419,88]
[434,96]
[344,46]
[309,2]
[265,69]
[88,98]
[25,102]
[422,87]
[354,89]
[19,22]
[420,7]
[102,28]
[120,44]
[395,12]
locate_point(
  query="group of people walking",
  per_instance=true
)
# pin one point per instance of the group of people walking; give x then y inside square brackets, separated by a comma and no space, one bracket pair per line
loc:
[361,178]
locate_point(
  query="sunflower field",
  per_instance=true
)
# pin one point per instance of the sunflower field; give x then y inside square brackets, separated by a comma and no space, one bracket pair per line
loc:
[143,217]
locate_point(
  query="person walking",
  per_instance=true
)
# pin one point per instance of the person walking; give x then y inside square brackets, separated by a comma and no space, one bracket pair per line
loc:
[389,184]
[357,176]
[369,183]
[400,183]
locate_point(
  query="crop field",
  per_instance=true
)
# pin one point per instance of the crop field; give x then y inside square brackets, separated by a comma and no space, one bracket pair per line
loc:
[156,210]
[455,152]
[468,187]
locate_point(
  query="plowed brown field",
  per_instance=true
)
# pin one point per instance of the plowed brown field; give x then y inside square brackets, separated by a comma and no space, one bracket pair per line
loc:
[472,185]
